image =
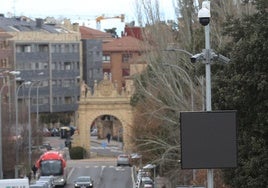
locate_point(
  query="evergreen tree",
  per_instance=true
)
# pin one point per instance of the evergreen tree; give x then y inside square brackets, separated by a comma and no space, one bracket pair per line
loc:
[243,85]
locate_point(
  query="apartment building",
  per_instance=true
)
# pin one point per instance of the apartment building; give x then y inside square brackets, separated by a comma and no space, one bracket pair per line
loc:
[48,58]
[119,58]
[92,41]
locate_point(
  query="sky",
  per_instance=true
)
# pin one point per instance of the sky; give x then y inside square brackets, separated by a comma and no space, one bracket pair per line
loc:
[81,10]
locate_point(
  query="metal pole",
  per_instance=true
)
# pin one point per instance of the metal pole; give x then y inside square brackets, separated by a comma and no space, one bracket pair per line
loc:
[1,146]
[17,129]
[37,110]
[29,127]
[208,92]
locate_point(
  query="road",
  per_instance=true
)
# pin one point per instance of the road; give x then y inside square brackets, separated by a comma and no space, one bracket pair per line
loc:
[104,173]
[101,166]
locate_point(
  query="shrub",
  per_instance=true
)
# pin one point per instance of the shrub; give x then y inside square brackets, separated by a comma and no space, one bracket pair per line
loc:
[77,152]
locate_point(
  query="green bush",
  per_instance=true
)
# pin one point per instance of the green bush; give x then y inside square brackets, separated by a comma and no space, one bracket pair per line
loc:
[77,152]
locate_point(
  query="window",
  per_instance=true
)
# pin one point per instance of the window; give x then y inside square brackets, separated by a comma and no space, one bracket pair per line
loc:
[90,74]
[54,82]
[45,65]
[53,48]
[55,101]
[67,65]
[66,83]
[43,48]
[54,66]
[45,83]
[125,72]
[23,48]
[126,57]
[75,48]
[67,49]
[27,48]
[62,48]
[67,100]
[2,46]
[45,100]
[106,58]
[4,63]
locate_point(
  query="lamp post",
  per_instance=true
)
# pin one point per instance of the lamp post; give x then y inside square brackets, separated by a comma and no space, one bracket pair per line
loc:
[29,127]
[17,127]
[1,148]
[37,103]
[14,73]
[1,145]
[204,19]
[37,107]
[207,55]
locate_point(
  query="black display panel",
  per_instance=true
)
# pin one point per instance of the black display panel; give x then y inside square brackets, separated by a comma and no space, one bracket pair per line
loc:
[208,139]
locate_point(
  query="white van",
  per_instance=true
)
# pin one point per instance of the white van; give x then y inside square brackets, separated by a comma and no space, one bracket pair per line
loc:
[21,183]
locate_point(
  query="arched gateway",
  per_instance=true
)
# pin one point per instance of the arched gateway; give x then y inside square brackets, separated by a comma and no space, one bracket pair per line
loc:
[105,100]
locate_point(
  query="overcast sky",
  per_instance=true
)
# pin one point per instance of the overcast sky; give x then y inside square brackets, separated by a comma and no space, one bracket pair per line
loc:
[77,8]
[81,9]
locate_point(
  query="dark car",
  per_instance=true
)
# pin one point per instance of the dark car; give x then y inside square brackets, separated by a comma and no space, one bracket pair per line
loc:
[83,181]
[55,132]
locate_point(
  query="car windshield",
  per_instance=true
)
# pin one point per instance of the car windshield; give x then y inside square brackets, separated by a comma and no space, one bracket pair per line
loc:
[123,156]
[51,167]
[83,179]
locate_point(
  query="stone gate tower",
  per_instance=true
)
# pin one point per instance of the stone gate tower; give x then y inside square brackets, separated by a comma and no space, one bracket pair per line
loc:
[105,100]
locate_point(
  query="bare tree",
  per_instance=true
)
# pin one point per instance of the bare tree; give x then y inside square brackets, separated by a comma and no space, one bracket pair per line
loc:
[171,84]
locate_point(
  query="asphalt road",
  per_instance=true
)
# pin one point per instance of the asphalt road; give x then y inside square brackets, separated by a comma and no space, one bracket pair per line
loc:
[101,166]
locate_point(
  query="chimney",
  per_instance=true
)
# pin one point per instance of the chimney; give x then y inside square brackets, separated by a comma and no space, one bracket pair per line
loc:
[76,27]
[39,22]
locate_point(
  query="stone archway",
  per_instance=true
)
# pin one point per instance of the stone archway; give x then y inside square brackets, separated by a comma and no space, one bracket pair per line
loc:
[104,100]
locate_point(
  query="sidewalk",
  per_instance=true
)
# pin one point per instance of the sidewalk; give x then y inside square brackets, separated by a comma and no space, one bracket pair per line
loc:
[112,143]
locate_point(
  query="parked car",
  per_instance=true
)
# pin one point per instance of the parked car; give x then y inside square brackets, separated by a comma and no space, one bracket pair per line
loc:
[123,159]
[47,146]
[55,132]
[83,181]
[46,132]
[94,132]
[147,182]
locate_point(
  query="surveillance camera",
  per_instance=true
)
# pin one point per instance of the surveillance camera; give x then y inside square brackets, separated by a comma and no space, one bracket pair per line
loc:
[204,16]
[204,13]
[223,59]
[197,57]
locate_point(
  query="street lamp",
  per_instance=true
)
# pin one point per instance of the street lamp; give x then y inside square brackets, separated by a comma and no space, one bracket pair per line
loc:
[206,56]
[1,145]
[29,126]
[37,107]
[17,131]
[39,82]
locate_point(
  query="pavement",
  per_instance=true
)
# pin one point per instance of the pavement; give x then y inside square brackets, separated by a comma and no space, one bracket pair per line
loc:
[58,143]
[112,143]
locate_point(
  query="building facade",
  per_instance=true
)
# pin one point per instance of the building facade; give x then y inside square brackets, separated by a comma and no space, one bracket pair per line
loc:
[48,58]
